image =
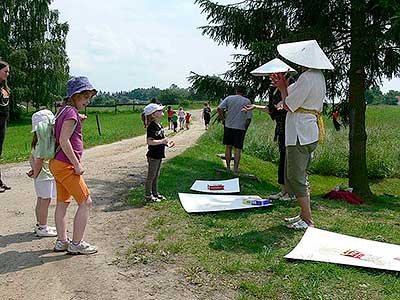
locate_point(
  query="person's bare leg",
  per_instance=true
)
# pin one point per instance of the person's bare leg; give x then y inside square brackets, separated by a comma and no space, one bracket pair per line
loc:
[80,220]
[61,220]
[305,214]
[37,210]
[236,160]
[228,156]
[43,211]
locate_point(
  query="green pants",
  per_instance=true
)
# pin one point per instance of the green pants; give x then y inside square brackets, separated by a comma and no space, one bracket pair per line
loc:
[297,161]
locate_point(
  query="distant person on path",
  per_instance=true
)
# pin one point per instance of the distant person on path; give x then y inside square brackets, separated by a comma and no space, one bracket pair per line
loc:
[187,119]
[175,121]
[303,101]
[156,142]
[45,186]
[236,124]
[206,115]
[181,115]
[4,112]
[68,170]
[170,113]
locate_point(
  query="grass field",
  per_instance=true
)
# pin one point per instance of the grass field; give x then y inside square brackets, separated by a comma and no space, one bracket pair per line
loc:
[244,250]
[114,127]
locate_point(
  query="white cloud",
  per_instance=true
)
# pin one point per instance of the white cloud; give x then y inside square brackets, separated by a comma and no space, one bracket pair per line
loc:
[129,44]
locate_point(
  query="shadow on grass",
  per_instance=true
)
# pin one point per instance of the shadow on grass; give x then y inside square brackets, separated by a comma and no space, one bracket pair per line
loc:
[253,241]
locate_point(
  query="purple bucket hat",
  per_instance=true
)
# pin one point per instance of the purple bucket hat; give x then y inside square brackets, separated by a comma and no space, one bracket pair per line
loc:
[78,85]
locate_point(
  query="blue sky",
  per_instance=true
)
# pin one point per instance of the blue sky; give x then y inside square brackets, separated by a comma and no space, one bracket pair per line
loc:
[126,44]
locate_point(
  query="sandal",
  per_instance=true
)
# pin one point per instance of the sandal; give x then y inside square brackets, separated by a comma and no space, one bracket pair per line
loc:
[2,190]
[298,225]
[293,219]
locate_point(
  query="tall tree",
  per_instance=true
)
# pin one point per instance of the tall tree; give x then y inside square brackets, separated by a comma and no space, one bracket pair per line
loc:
[361,38]
[32,40]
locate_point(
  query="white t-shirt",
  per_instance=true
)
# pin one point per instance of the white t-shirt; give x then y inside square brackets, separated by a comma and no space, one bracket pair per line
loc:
[307,92]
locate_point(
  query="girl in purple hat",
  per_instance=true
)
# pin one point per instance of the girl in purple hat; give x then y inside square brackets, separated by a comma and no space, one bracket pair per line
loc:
[67,168]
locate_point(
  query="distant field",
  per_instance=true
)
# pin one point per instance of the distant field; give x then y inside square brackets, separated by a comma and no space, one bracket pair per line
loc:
[331,158]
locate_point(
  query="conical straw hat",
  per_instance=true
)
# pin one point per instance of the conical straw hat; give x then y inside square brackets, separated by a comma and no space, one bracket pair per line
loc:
[306,53]
[273,66]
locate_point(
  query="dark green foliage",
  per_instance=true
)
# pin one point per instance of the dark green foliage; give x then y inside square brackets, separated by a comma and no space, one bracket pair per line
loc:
[33,41]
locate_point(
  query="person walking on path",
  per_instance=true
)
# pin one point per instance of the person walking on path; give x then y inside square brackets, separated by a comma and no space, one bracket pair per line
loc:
[181,115]
[68,170]
[206,115]
[156,142]
[187,120]
[236,124]
[45,186]
[170,113]
[303,102]
[4,112]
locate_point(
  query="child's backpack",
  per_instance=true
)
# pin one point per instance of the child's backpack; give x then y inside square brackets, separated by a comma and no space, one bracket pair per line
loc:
[46,146]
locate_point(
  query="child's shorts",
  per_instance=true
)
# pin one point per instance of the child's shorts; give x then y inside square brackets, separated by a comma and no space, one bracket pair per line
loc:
[45,188]
[68,183]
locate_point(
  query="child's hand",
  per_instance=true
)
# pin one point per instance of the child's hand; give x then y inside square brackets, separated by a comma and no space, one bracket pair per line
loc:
[170,144]
[29,173]
[82,117]
[79,170]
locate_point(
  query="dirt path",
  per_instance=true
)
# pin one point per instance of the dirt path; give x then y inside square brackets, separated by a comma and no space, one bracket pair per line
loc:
[30,270]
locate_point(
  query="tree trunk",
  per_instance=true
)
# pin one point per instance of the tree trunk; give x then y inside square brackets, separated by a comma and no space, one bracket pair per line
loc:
[358,176]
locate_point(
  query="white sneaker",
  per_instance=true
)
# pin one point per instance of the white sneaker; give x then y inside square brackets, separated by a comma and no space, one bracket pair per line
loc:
[45,231]
[36,227]
[60,246]
[81,248]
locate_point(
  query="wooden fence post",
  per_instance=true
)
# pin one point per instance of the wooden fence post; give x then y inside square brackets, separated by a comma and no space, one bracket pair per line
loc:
[98,124]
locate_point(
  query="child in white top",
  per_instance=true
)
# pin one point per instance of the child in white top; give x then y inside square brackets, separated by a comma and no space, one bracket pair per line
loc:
[44,183]
[181,115]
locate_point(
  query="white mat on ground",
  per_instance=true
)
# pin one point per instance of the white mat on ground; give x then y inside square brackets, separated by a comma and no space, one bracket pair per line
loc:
[208,203]
[326,246]
[230,186]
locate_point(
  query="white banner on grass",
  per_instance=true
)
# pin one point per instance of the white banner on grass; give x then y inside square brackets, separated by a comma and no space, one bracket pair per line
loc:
[208,203]
[230,186]
[326,246]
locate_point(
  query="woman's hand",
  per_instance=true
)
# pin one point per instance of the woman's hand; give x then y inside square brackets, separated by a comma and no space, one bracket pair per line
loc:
[170,144]
[280,105]
[79,170]
[279,81]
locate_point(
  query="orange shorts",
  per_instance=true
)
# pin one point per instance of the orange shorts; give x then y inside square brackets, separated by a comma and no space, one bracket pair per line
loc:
[68,183]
